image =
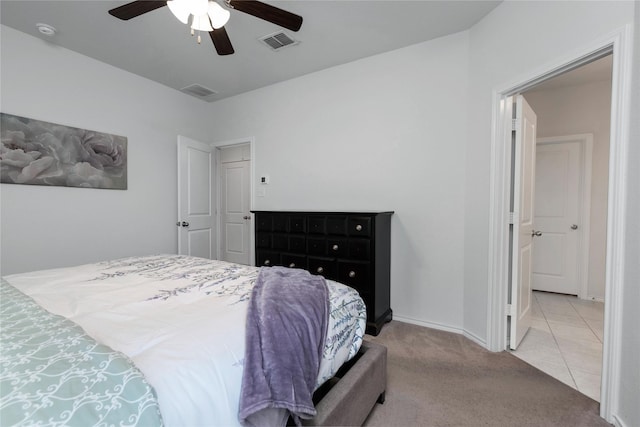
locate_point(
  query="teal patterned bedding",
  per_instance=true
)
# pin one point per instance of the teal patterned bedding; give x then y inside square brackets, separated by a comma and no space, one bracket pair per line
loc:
[53,374]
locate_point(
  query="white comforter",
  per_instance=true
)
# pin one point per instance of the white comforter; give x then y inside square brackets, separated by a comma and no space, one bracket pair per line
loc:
[181,320]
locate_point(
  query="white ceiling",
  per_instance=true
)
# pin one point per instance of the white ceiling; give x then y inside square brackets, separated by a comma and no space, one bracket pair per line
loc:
[157,46]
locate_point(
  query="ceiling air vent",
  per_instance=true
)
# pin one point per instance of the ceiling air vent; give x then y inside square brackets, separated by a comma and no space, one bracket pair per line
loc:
[277,41]
[199,91]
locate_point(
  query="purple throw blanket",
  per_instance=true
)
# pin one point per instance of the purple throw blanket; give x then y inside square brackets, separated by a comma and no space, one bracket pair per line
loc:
[286,329]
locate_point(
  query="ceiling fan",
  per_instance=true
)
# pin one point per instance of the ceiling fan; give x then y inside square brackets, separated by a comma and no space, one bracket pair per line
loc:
[209,16]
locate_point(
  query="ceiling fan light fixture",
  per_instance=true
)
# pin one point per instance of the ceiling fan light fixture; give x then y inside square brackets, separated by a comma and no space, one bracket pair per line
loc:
[201,23]
[218,15]
[207,13]
[180,10]
[198,7]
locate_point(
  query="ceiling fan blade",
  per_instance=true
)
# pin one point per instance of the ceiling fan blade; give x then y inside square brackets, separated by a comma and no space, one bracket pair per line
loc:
[221,41]
[136,8]
[269,13]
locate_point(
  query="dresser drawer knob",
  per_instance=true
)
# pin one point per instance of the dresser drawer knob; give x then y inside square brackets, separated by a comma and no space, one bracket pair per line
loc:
[320,270]
[352,274]
[335,247]
[293,264]
[267,262]
[358,227]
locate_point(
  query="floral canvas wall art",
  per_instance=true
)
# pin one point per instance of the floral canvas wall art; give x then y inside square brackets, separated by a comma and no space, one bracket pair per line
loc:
[43,153]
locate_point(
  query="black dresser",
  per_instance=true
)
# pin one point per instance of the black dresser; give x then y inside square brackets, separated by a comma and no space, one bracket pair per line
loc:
[353,248]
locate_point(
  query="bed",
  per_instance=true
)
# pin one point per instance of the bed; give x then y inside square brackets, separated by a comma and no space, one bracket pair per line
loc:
[159,340]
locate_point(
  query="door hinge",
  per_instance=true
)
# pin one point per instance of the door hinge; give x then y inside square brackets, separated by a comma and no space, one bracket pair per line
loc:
[510,310]
[511,217]
[515,124]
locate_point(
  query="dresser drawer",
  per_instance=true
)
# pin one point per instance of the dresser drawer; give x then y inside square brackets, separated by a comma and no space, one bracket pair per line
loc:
[280,223]
[323,266]
[264,223]
[298,244]
[337,247]
[294,261]
[354,274]
[360,248]
[337,225]
[316,246]
[263,240]
[297,224]
[280,242]
[359,226]
[317,224]
[267,258]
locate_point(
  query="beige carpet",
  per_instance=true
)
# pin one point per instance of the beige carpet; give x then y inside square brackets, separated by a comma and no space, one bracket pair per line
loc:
[438,378]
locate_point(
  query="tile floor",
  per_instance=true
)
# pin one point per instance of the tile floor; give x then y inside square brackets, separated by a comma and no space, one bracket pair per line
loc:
[565,340]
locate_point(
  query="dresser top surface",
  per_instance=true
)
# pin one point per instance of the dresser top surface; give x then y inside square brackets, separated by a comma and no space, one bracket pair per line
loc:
[363,212]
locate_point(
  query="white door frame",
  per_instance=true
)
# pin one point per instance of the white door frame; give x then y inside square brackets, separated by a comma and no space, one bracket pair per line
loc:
[586,157]
[221,144]
[620,43]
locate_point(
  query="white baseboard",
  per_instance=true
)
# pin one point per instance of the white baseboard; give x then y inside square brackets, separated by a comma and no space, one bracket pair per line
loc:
[431,325]
[476,339]
[441,327]
[617,422]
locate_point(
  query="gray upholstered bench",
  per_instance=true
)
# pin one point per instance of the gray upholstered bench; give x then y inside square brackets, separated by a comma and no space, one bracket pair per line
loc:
[348,398]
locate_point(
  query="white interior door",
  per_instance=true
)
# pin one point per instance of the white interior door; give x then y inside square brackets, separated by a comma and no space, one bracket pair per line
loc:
[196,202]
[235,212]
[524,149]
[557,216]
[235,204]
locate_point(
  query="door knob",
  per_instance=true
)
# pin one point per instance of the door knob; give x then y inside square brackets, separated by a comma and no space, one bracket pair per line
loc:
[574,226]
[535,233]
[185,224]
[246,217]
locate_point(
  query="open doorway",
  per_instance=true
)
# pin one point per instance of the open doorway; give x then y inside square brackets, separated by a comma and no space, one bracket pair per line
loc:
[572,177]
[618,43]
[569,257]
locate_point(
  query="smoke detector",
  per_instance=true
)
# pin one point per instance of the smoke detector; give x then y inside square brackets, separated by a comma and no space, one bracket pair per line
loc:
[46,29]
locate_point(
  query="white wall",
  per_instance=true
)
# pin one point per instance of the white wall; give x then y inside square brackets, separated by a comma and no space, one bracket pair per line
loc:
[574,110]
[382,133]
[45,227]
[509,44]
